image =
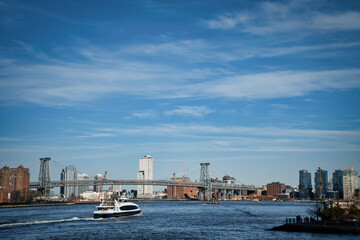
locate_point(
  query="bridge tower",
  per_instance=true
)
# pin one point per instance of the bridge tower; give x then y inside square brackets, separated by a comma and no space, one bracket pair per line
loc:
[44,176]
[205,178]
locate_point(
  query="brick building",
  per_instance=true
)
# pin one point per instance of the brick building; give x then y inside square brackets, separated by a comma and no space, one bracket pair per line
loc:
[275,188]
[179,192]
[16,181]
[4,195]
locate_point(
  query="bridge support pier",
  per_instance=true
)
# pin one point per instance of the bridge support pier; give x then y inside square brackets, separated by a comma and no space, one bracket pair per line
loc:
[205,178]
[44,177]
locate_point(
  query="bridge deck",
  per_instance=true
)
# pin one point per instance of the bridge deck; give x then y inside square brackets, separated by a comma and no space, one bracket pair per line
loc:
[53,184]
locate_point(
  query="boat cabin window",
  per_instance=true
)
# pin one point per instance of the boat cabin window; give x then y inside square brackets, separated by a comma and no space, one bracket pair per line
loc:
[128,207]
[103,208]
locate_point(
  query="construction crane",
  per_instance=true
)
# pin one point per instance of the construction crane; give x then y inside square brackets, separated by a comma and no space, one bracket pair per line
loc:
[213,174]
[102,184]
[182,170]
[213,199]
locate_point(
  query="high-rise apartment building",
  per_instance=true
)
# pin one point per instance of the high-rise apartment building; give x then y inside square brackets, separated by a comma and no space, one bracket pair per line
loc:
[117,189]
[228,179]
[305,186]
[350,183]
[97,177]
[337,183]
[16,181]
[69,173]
[82,176]
[146,172]
[320,190]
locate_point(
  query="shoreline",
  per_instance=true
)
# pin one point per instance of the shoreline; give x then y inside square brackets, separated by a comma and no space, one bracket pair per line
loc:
[45,204]
[332,227]
[40,204]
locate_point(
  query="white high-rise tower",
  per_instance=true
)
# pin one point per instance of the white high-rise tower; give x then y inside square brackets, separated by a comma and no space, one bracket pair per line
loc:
[69,173]
[350,183]
[146,172]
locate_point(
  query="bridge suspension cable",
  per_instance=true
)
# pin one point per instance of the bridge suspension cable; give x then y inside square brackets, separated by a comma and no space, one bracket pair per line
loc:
[224,173]
[32,163]
[58,164]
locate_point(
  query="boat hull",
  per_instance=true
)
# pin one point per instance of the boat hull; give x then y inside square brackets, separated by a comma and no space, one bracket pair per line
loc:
[116,214]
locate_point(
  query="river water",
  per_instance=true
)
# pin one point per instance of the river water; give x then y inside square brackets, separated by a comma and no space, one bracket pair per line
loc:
[159,220]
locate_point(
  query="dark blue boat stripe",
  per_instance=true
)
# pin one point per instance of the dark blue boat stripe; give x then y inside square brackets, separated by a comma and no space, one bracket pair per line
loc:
[109,215]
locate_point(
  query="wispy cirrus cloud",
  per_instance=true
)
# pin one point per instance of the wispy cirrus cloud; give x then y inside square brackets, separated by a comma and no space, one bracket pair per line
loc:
[31,50]
[283,84]
[281,51]
[206,130]
[339,21]
[195,111]
[97,135]
[144,114]
[200,51]
[12,139]
[196,50]
[228,20]
[292,16]
[183,47]
[201,138]
[105,74]
[68,84]
[241,138]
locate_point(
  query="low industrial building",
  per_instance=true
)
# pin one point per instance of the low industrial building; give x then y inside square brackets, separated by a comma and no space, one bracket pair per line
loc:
[180,192]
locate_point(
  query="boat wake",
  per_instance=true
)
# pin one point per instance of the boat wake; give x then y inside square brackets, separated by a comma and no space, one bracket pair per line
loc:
[45,222]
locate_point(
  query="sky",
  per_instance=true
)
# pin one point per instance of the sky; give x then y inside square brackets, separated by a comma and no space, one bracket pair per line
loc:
[259,89]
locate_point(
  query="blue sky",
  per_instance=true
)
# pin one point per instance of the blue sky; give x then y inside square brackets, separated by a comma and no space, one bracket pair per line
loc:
[260,89]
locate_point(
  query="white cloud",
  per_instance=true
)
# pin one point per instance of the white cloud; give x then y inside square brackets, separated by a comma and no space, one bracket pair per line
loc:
[344,21]
[280,106]
[11,139]
[200,51]
[191,50]
[30,50]
[97,135]
[282,84]
[272,52]
[144,114]
[185,47]
[195,141]
[272,17]
[238,138]
[194,130]
[69,84]
[6,61]
[196,111]
[73,83]
[106,74]
[227,21]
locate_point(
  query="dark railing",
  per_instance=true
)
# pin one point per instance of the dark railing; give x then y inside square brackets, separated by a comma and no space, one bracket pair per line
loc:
[310,220]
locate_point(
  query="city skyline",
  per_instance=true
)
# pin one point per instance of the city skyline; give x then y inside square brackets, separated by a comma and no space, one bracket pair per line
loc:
[259,89]
[343,185]
[215,174]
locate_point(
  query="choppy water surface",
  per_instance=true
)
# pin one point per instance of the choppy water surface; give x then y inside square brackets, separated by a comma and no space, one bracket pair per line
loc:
[159,220]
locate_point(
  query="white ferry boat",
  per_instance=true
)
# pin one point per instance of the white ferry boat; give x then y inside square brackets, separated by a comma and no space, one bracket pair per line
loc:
[116,208]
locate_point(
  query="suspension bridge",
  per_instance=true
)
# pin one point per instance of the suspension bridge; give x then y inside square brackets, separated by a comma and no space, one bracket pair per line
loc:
[206,184]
